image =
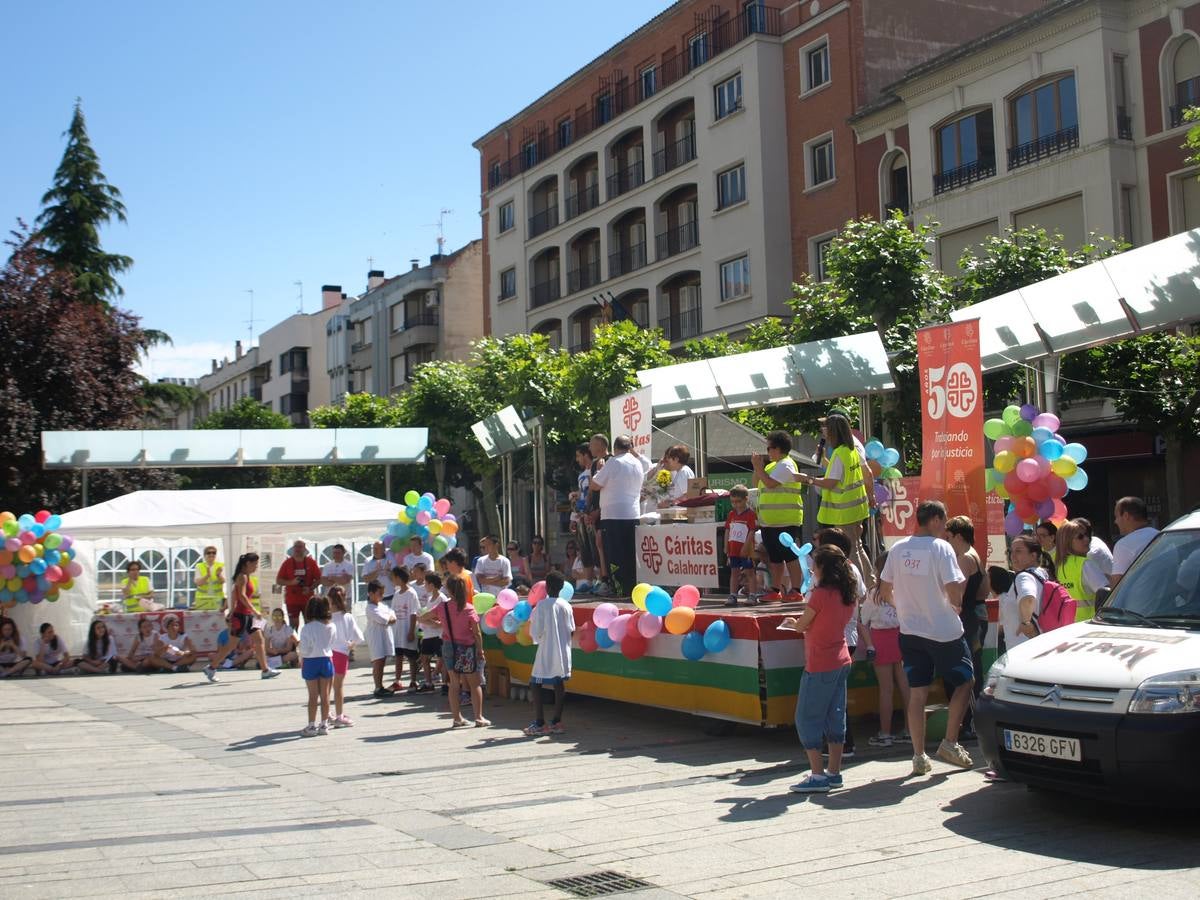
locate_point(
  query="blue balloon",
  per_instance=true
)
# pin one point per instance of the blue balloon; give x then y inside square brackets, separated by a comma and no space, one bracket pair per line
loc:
[802,551]
[1041,435]
[658,602]
[37,530]
[223,637]
[787,540]
[26,522]
[37,566]
[1050,449]
[5,595]
[425,503]
[874,449]
[567,592]
[51,557]
[1077,452]
[692,646]
[602,638]
[717,636]
[1078,480]
[890,457]
[53,523]
[510,622]
[22,570]
[411,511]
[522,610]
[20,595]
[451,542]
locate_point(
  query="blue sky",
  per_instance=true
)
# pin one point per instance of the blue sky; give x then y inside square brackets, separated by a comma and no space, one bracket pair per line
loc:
[266,142]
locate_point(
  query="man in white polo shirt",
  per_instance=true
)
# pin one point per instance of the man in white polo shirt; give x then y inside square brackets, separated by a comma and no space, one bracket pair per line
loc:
[620,486]
[921,578]
[1133,521]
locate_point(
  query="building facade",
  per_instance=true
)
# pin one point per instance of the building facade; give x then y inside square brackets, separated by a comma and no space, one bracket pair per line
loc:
[685,177]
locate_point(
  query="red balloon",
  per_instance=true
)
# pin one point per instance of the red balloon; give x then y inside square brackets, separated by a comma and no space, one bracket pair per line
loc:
[587,638]
[30,584]
[1038,491]
[1014,485]
[505,637]
[1024,509]
[41,516]
[494,616]
[633,645]
[1057,485]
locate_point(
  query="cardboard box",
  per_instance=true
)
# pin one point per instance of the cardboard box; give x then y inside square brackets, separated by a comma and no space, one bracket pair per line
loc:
[697,487]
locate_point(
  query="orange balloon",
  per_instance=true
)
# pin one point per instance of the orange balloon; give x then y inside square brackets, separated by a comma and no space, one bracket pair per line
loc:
[5,557]
[26,554]
[505,637]
[449,528]
[1025,447]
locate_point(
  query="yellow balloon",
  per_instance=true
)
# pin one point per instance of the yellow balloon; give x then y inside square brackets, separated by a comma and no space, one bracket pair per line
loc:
[639,595]
[67,585]
[680,620]
[7,517]
[1005,461]
[1064,467]
[524,638]
[1001,492]
[13,584]
[435,527]
[403,516]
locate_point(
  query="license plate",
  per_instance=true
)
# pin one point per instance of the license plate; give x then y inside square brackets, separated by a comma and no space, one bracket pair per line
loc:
[1043,745]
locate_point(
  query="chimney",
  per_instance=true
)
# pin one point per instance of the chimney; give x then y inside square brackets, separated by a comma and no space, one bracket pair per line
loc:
[374,279]
[331,295]
[416,264]
[237,350]
[214,364]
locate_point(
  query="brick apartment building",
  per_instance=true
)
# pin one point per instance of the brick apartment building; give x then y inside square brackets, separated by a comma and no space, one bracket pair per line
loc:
[686,176]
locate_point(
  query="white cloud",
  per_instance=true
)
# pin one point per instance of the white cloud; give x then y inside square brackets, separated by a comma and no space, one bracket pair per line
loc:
[183,360]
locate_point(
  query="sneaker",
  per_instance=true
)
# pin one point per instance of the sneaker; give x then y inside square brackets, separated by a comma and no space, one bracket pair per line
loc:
[228,664]
[210,673]
[557,728]
[424,688]
[536,729]
[793,597]
[770,597]
[343,721]
[396,687]
[955,755]
[323,728]
[881,740]
[584,587]
[732,601]
[835,781]
[847,752]
[922,764]
[813,784]
[753,600]
[382,693]
[269,673]
[460,723]
[481,722]
[309,731]
[904,737]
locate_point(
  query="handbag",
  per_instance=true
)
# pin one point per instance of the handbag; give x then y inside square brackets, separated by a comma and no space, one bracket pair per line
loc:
[464,654]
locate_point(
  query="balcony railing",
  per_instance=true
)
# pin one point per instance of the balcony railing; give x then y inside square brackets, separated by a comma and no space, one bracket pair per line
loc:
[966,174]
[626,260]
[544,292]
[724,33]
[1124,124]
[675,155]
[1031,151]
[682,326]
[425,317]
[584,200]
[541,222]
[586,276]
[676,240]
[626,179]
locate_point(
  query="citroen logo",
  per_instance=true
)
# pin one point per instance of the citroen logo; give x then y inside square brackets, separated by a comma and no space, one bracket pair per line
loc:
[1054,695]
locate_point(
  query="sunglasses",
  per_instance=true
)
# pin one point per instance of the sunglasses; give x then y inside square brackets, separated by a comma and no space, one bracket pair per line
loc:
[210,552]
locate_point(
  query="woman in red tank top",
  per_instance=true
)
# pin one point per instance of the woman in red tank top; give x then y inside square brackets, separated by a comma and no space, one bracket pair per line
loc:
[243,619]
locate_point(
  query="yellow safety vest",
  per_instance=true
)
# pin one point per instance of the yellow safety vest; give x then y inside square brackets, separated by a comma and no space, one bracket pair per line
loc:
[845,504]
[782,505]
[141,586]
[1070,576]
[209,595]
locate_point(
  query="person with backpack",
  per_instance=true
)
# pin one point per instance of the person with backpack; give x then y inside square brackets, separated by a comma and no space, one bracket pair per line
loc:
[1021,602]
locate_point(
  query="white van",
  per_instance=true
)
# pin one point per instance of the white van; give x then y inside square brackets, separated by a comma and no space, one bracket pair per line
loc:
[1109,707]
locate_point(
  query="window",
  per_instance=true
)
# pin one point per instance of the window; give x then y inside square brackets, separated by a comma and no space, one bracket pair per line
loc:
[820,254]
[294,360]
[493,174]
[1185,75]
[506,217]
[728,96]
[1045,121]
[966,151]
[896,186]
[417,357]
[604,112]
[816,66]
[756,16]
[698,50]
[820,161]
[648,78]
[508,284]
[735,278]
[529,154]
[399,375]
[1121,98]
[731,186]
[564,133]
[396,317]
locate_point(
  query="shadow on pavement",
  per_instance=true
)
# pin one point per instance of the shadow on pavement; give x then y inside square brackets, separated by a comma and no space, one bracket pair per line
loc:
[758,809]
[264,740]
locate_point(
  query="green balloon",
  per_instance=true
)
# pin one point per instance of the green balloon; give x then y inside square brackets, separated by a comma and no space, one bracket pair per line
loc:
[1023,428]
[412,498]
[52,541]
[996,429]
[483,602]
[1012,415]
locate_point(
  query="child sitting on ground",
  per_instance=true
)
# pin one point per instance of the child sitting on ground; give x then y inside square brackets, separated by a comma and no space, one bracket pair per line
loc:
[245,652]
[52,657]
[13,658]
[100,653]
[346,635]
[740,525]
[380,620]
[281,641]
[550,626]
[175,651]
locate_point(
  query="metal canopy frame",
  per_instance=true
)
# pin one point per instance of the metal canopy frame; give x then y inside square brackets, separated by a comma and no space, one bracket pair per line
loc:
[1146,289]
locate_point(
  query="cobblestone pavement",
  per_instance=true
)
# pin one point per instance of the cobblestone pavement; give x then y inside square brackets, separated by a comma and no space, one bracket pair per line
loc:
[139,785]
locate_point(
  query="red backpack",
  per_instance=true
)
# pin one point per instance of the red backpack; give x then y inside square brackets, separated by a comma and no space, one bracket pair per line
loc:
[1057,607]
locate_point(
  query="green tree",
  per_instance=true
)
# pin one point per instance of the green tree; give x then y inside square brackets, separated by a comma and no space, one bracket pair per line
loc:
[246,415]
[78,204]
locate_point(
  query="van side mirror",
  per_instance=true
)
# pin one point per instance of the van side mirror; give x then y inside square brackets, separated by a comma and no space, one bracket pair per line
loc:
[1102,596]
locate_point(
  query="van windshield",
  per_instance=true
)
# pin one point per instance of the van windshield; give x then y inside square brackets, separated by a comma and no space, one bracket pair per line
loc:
[1164,584]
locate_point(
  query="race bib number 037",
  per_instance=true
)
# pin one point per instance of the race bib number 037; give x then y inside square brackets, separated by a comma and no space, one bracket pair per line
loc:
[914,562]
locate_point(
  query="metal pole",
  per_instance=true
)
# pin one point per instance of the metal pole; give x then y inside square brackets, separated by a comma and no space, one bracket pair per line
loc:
[539,477]
[83,485]
[387,482]
[507,495]
[700,439]
[864,422]
[1050,384]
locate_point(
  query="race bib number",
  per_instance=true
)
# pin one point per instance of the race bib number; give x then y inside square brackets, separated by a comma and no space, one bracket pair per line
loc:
[738,532]
[915,562]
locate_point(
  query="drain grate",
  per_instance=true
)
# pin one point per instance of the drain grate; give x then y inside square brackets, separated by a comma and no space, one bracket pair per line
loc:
[599,885]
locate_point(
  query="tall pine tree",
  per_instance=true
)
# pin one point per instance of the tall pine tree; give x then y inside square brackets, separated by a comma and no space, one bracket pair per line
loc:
[78,204]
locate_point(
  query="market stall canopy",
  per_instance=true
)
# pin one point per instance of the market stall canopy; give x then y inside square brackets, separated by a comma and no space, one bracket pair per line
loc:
[232,447]
[1146,289]
[799,373]
[319,513]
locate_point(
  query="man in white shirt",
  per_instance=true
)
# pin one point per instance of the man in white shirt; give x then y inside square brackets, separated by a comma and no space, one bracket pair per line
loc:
[921,578]
[619,484]
[338,571]
[1133,521]
[493,572]
[416,555]
[379,568]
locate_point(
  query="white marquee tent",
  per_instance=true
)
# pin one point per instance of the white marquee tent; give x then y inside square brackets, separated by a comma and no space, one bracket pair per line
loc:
[234,520]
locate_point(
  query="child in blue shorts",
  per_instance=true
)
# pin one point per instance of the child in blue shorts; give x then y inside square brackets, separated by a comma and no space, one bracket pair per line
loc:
[550,626]
[316,662]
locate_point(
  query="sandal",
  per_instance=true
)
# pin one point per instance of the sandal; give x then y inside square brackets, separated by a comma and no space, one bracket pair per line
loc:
[482,723]
[460,723]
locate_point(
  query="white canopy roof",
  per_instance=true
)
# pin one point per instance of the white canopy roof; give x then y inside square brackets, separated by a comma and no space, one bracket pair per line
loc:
[320,513]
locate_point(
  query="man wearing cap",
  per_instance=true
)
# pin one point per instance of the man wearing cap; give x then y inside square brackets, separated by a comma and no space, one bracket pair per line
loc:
[780,509]
[847,501]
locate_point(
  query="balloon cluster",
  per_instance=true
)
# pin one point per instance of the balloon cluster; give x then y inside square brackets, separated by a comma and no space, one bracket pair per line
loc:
[426,517]
[36,561]
[506,614]
[802,552]
[882,462]
[1034,466]
[656,611]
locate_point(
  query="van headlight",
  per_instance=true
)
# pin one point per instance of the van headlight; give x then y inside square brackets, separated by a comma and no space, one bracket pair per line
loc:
[992,680]
[1172,692]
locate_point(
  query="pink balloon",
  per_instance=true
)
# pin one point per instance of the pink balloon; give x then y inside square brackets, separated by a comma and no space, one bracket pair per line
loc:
[507,599]
[1047,420]
[1027,471]
[74,569]
[603,615]
[423,517]
[26,537]
[1043,465]
[618,626]
[1004,443]
[648,626]
[1060,511]
[688,595]
[9,571]
[54,573]
[537,593]
[12,544]
[441,507]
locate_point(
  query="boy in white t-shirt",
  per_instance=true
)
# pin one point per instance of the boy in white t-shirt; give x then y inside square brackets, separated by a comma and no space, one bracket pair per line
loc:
[430,644]
[406,606]
[380,641]
[550,626]
[417,556]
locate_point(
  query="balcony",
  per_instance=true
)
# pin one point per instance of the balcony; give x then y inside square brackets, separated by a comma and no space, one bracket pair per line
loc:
[544,292]
[681,327]
[1031,151]
[299,381]
[676,240]
[963,175]
[586,276]
[1124,124]
[626,260]
[584,200]
[541,222]
[625,180]
[425,317]
[675,155]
